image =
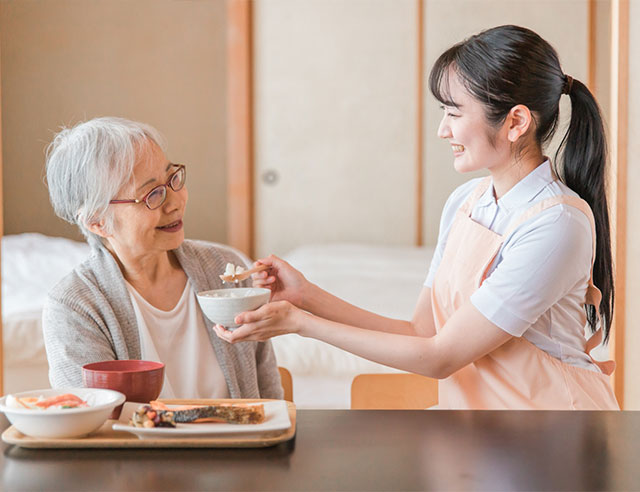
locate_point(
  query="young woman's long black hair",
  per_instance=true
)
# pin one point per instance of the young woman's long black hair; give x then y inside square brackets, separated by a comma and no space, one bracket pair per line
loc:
[510,65]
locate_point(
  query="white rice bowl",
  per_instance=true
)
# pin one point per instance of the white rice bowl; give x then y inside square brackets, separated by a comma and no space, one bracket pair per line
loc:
[61,423]
[221,306]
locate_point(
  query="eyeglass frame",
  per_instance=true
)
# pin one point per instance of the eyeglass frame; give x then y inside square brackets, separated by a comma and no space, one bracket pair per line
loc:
[181,167]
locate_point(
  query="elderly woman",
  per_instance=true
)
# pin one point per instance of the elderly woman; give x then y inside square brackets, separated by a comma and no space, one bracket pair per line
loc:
[135,296]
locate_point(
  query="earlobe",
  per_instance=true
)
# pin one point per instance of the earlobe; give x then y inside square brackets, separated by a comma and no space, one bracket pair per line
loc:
[97,228]
[520,119]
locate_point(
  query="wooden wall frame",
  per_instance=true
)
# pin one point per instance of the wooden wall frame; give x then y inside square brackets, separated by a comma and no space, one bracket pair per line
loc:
[618,181]
[240,153]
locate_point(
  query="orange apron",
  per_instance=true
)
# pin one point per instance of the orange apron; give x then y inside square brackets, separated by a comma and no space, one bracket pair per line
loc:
[517,375]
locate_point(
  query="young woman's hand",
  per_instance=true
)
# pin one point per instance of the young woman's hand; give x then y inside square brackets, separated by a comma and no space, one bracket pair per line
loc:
[285,282]
[270,320]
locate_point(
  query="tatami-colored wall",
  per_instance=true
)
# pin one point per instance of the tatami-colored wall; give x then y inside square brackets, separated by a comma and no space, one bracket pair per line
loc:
[158,61]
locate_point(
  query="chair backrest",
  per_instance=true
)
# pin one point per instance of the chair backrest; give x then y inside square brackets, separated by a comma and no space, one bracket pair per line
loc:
[393,392]
[287,383]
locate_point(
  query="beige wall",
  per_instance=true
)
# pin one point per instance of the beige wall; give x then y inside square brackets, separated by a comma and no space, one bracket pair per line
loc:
[632,331]
[158,61]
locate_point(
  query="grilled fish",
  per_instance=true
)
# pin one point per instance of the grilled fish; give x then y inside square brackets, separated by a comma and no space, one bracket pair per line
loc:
[158,415]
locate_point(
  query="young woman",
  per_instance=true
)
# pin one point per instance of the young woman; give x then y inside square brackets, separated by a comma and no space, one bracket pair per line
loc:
[517,272]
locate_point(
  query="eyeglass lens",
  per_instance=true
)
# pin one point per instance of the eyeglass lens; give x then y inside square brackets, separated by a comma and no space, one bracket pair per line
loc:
[158,195]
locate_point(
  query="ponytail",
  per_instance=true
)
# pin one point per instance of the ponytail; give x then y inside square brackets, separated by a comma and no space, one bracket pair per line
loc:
[584,170]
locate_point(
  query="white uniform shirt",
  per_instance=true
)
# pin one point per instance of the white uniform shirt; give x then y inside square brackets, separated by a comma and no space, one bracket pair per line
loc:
[179,339]
[537,284]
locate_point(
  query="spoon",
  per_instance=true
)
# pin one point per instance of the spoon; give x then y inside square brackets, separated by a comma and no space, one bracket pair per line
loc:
[244,275]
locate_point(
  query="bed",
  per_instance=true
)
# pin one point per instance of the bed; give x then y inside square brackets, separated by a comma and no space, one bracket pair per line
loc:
[384,279]
[31,265]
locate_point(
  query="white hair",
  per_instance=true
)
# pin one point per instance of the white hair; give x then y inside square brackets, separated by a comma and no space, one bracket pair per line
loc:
[89,163]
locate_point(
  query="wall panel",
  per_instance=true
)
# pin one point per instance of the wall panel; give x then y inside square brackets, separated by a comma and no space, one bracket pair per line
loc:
[334,122]
[158,61]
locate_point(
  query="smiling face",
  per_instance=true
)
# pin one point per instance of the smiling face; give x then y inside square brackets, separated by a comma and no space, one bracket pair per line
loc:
[138,231]
[475,143]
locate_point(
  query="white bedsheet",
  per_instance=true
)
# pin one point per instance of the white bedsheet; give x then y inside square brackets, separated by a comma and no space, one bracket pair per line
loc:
[384,279]
[31,265]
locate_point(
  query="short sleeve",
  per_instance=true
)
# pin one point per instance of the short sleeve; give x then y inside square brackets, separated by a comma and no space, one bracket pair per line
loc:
[544,260]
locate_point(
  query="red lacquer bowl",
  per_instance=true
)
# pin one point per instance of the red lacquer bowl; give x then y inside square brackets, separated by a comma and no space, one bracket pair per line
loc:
[139,380]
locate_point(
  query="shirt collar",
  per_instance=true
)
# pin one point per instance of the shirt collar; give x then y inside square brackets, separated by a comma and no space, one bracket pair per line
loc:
[524,191]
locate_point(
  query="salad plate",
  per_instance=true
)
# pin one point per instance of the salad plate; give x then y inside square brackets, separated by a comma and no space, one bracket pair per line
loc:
[276,420]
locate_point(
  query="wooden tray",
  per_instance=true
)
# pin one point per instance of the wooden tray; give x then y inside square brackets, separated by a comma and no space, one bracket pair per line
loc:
[105,437]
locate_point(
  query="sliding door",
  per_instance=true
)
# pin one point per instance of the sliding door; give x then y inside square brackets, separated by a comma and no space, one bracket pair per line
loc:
[335,132]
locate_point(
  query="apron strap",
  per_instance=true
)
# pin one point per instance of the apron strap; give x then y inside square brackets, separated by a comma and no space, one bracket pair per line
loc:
[608,366]
[475,195]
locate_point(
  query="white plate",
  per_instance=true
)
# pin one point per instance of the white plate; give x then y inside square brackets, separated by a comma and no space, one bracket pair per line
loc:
[276,418]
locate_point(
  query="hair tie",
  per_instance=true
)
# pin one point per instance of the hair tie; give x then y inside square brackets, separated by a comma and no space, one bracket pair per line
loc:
[568,82]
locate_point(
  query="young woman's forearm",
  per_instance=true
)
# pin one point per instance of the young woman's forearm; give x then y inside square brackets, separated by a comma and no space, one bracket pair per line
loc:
[401,351]
[326,305]
[466,337]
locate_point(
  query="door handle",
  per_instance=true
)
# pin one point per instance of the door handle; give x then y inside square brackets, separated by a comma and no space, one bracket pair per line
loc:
[270,177]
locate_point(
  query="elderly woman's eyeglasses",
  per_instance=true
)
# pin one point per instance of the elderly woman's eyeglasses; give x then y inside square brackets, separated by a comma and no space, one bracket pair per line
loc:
[156,197]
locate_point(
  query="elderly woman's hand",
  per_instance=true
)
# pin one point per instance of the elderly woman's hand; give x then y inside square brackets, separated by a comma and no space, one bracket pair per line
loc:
[285,282]
[270,320]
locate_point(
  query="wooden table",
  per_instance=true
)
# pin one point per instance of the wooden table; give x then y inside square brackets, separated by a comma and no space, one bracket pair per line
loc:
[368,450]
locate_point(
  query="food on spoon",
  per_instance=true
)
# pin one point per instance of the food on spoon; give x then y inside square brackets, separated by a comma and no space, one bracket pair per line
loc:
[157,414]
[232,270]
[57,402]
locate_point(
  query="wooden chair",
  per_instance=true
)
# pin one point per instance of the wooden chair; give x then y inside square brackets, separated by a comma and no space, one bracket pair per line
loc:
[393,392]
[287,383]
